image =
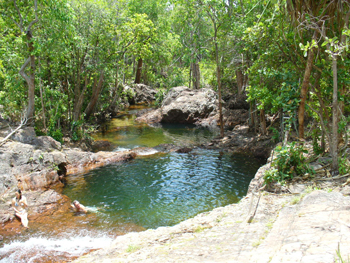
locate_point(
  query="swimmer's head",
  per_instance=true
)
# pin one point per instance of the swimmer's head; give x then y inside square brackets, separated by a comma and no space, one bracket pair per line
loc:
[19,194]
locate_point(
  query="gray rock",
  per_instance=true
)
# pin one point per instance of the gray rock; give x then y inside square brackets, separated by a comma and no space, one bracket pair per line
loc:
[26,135]
[183,105]
[140,93]
[48,143]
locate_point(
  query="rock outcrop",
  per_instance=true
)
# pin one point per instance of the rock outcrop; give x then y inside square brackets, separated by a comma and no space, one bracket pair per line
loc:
[33,163]
[313,229]
[140,93]
[183,105]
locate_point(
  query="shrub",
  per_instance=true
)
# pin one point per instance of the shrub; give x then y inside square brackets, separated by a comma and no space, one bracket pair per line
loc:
[289,162]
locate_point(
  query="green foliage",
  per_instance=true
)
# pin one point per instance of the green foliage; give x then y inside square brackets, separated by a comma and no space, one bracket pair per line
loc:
[318,149]
[288,163]
[53,131]
[275,134]
[344,166]
[77,130]
[159,98]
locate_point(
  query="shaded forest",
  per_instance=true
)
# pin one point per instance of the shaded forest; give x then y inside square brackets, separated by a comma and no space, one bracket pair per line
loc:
[63,63]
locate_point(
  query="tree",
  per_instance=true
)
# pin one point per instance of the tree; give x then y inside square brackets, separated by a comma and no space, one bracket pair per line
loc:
[25,16]
[330,20]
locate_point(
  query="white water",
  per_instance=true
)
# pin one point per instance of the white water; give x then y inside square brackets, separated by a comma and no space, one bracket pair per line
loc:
[40,247]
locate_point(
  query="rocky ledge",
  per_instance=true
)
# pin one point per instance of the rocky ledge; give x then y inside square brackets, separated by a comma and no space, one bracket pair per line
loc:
[309,225]
[285,228]
[36,164]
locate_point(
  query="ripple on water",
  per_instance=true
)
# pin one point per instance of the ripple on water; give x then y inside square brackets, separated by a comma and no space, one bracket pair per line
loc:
[163,190]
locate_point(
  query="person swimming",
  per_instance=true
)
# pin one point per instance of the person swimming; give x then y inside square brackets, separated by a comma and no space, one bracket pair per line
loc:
[19,204]
[78,207]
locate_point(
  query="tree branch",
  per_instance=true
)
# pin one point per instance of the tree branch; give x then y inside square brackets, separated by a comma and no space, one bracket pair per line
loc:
[20,25]
[21,71]
[23,123]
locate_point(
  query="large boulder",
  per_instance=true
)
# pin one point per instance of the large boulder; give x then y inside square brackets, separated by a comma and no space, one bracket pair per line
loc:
[184,105]
[140,93]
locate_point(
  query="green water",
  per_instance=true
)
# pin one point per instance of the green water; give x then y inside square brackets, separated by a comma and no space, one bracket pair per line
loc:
[165,189]
[161,189]
[125,133]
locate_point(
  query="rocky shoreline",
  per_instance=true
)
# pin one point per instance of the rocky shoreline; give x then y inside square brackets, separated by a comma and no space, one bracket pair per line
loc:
[308,225]
[240,232]
[295,223]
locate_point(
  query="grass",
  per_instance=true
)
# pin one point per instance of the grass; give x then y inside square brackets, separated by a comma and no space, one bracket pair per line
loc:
[132,248]
[199,229]
[219,218]
[339,257]
[269,224]
[297,199]
[258,242]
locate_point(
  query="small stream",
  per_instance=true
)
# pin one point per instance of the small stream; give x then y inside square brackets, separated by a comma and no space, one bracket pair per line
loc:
[158,189]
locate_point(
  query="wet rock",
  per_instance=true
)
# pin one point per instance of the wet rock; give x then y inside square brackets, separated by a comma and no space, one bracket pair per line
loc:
[296,188]
[184,150]
[153,116]
[27,166]
[47,143]
[243,129]
[38,202]
[345,190]
[26,135]
[101,145]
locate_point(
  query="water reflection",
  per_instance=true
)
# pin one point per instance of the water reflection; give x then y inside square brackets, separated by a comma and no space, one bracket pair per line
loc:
[124,133]
[150,191]
[163,190]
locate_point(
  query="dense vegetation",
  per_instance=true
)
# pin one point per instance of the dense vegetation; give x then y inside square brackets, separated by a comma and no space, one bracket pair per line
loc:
[62,62]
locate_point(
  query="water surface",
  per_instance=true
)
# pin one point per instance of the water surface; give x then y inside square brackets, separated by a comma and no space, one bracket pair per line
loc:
[161,189]
[165,189]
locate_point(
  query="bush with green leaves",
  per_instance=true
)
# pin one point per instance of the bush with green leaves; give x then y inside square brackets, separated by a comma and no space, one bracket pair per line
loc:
[344,167]
[288,163]
[316,137]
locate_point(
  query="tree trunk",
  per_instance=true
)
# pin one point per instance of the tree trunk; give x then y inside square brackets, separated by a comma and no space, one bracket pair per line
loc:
[304,91]
[95,95]
[115,93]
[263,122]
[218,76]
[190,79]
[334,143]
[42,100]
[240,81]
[138,71]
[196,75]
[78,103]
[30,79]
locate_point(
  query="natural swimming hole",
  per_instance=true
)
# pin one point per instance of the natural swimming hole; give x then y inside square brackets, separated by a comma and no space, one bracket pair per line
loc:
[164,189]
[159,189]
